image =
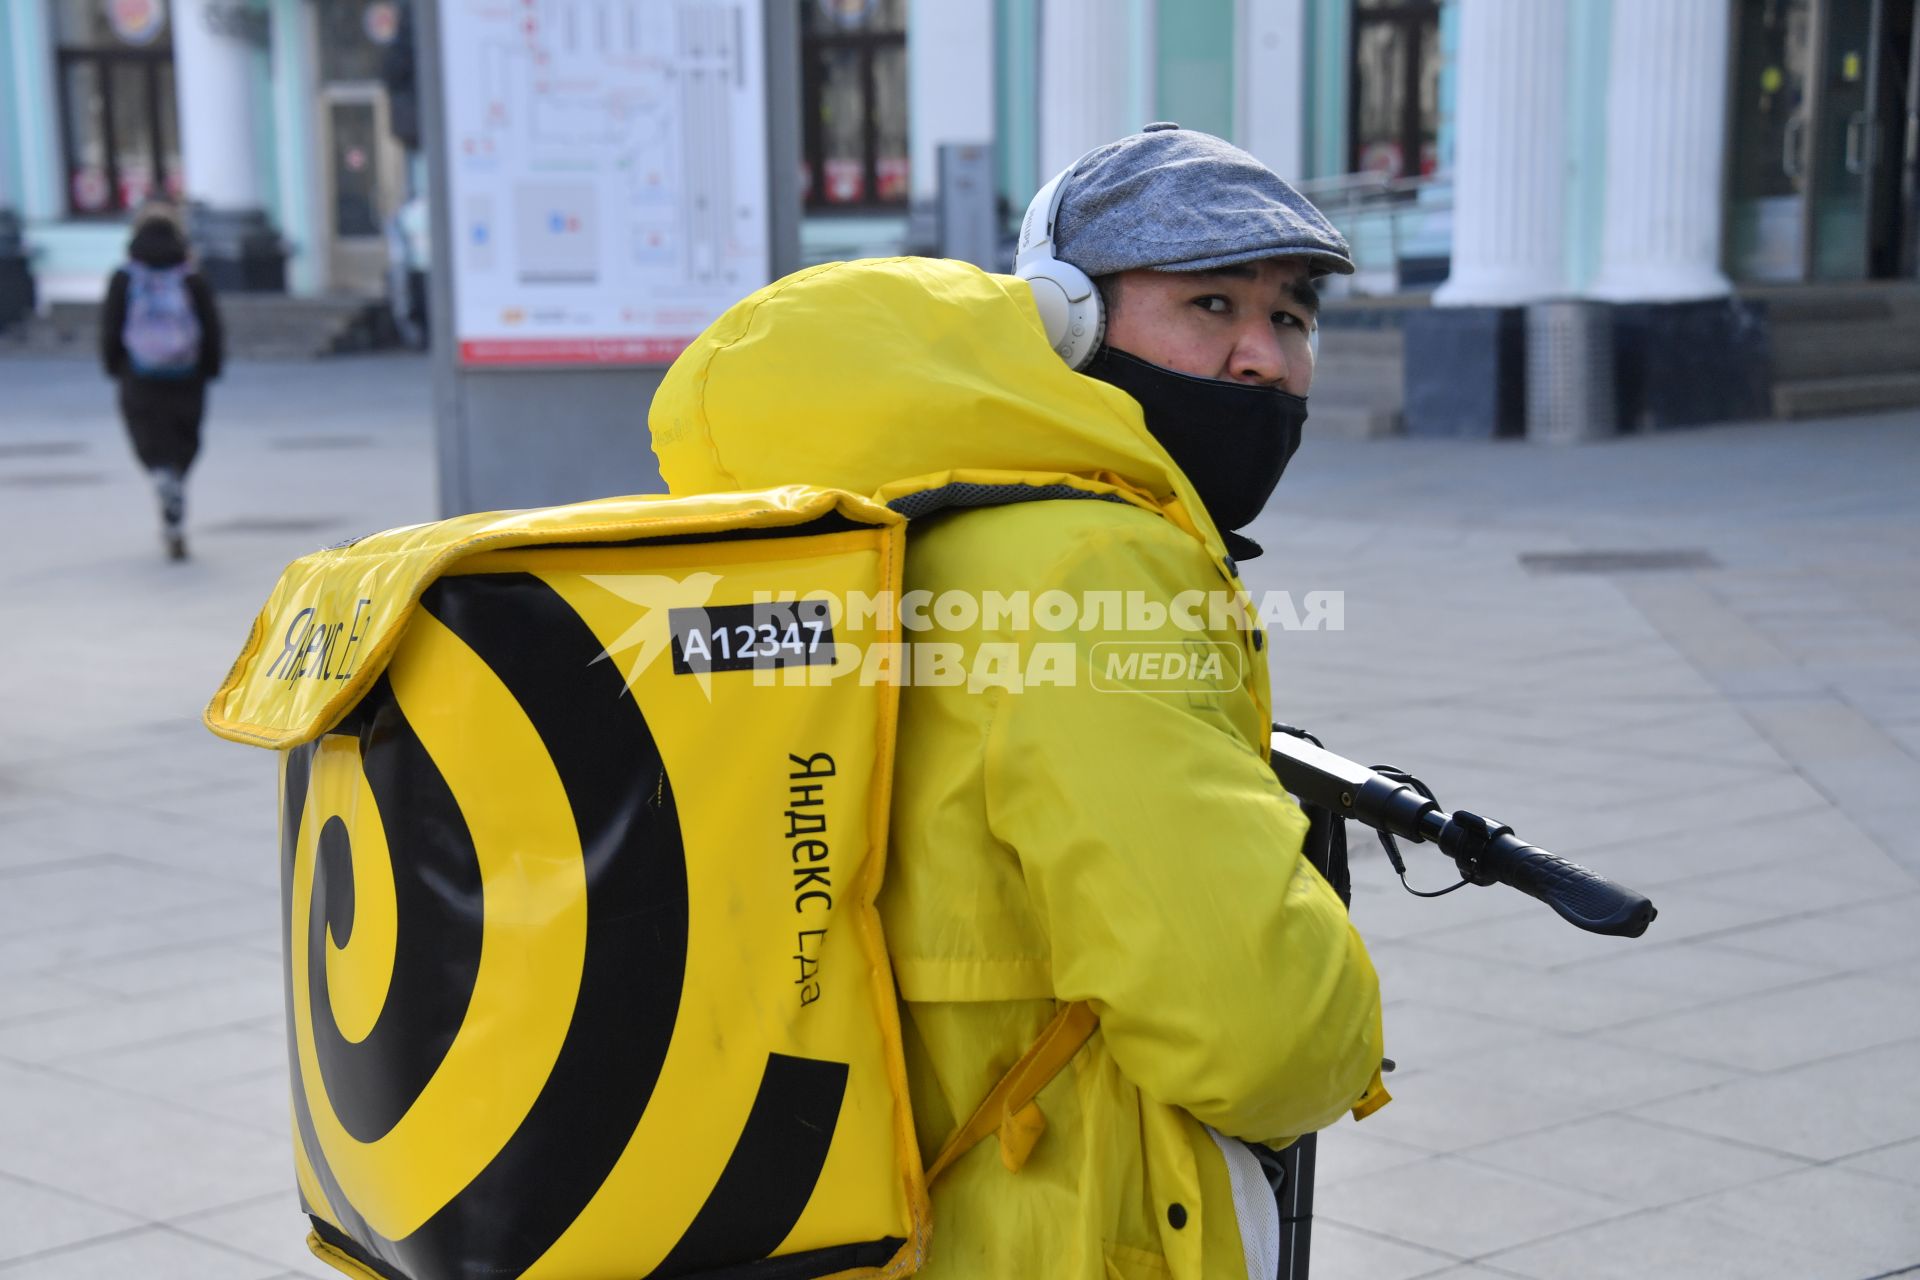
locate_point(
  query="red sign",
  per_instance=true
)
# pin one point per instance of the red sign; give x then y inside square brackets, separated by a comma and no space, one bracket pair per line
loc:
[381,21]
[90,190]
[572,350]
[1383,157]
[849,15]
[846,182]
[136,184]
[136,21]
[890,177]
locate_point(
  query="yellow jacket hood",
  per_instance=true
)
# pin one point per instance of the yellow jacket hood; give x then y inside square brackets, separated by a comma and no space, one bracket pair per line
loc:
[859,375]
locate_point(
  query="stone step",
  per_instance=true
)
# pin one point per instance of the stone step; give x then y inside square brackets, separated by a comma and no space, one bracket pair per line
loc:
[250,308]
[258,327]
[1866,301]
[1862,393]
[1359,379]
[1366,361]
[1338,342]
[1845,348]
[1345,421]
[1382,387]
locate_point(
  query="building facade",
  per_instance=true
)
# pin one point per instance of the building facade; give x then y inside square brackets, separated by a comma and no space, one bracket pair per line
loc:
[1490,152]
[279,111]
[271,116]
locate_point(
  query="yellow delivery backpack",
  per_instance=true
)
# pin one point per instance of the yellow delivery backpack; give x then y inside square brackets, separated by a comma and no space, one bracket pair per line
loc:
[583,815]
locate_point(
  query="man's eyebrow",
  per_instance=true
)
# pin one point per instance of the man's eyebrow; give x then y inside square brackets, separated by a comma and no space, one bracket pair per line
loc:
[1301,289]
[1238,271]
[1303,292]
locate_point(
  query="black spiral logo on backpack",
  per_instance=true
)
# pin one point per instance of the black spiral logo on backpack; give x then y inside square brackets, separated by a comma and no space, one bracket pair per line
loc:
[380,1086]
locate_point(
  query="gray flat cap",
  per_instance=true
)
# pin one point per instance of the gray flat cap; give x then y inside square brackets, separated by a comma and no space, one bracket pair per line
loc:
[1177,199]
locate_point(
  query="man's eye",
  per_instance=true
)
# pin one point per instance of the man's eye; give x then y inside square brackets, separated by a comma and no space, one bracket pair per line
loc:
[1213,303]
[1286,319]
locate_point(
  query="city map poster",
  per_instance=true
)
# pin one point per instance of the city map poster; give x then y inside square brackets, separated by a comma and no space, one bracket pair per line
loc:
[607,174]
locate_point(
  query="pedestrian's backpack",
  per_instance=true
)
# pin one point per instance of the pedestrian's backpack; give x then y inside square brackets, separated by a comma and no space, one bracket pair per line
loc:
[161,334]
[583,812]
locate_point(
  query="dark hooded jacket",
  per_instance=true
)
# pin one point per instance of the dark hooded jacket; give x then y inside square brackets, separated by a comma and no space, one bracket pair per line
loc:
[158,243]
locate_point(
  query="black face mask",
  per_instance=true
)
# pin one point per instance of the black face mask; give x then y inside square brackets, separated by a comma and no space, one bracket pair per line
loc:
[1233,440]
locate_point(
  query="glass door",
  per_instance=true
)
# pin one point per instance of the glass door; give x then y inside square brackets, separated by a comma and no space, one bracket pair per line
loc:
[1771,109]
[1893,190]
[362,166]
[1842,132]
[363,182]
[1826,128]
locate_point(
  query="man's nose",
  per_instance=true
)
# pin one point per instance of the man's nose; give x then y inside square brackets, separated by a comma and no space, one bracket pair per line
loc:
[1258,358]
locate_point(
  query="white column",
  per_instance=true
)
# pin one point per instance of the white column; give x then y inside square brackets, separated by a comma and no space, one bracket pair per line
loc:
[1089,56]
[213,85]
[1509,195]
[295,120]
[36,111]
[1272,79]
[1666,122]
[949,83]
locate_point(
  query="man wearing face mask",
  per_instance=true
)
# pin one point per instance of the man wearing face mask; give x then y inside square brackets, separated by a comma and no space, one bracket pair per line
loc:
[1070,829]
[1203,261]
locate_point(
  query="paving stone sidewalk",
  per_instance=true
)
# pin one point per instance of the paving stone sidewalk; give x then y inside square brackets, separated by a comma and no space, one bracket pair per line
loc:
[1731,1096]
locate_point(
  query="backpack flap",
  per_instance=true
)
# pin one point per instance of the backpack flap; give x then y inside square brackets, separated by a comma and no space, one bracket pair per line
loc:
[584,815]
[333,620]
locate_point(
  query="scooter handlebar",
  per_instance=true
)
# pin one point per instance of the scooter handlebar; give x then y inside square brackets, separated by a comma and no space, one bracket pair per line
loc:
[1487,852]
[1580,897]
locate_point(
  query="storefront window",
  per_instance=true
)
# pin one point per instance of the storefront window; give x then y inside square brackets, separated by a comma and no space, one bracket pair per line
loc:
[116,104]
[1395,108]
[169,130]
[136,159]
[889,115]
[1380,54]
[356,193]
[854,76]
[84,104]
[111,24]
[354,38]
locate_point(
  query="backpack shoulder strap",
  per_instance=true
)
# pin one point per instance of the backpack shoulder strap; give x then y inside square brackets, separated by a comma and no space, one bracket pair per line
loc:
[1008,1108]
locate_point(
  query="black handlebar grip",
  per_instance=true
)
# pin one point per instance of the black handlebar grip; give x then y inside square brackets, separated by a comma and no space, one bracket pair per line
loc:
[1592,902]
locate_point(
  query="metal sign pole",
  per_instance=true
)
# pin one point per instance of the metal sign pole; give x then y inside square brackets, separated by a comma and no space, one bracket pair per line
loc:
[534,430]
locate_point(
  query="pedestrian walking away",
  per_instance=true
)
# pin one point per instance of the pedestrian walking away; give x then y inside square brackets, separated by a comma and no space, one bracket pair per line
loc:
[160,339]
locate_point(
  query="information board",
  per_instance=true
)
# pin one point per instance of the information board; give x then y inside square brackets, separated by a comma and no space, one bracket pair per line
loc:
[607,174]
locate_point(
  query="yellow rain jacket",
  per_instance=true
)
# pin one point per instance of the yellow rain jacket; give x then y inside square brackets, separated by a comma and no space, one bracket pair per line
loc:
[1097,837]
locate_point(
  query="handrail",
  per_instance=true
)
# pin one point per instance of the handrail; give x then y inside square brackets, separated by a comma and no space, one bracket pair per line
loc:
[1368,183]
[1369,206]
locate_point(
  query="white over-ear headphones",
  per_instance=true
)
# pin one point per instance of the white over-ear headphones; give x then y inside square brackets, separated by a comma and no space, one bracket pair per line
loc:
[1069,303]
